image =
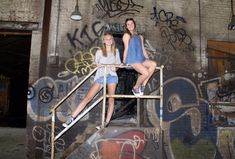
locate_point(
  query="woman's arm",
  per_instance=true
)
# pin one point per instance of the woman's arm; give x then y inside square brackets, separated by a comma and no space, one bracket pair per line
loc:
[144,51]
[117,61]
[126,40]
[97,57]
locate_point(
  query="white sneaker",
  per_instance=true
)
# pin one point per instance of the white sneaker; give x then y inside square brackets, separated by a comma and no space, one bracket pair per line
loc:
[105,125]
[141,90]
[68,122]
[136,92]
[98,127]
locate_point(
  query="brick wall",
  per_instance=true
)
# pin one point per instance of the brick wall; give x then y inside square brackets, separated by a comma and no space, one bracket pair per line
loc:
[21,10]
[176,35]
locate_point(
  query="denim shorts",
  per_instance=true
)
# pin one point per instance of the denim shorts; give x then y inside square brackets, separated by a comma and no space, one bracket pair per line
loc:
[109,79]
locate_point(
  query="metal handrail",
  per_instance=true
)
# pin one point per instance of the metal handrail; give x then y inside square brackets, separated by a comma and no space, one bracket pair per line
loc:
[72,91]
[133,96]
[53,112]
[78,118]
[53,109]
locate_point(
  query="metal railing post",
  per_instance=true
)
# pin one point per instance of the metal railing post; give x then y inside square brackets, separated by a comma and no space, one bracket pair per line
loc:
[161,113]
[161,95]
[138,112]
[104,97]
[53,135]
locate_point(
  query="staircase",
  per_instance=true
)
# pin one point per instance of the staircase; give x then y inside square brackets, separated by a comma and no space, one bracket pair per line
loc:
[117,141]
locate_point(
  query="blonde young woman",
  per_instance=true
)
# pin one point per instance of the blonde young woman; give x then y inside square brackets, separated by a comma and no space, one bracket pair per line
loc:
[109,54]
[135,55]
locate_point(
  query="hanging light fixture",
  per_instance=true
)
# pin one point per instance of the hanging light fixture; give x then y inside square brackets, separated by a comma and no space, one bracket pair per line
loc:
[231,25]
[76,15]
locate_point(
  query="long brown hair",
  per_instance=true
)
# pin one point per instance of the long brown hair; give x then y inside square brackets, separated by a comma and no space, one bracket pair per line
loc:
[128,31]
[113,46]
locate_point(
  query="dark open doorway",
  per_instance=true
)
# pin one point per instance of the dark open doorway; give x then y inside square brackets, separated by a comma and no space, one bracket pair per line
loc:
[14,69]
[125,107]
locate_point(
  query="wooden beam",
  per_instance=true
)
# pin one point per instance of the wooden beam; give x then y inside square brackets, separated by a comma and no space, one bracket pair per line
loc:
[25,26]
[15,33]
[223,46]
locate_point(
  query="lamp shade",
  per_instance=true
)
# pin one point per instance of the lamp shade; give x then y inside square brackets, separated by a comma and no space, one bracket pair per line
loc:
[76,15]
[231,25]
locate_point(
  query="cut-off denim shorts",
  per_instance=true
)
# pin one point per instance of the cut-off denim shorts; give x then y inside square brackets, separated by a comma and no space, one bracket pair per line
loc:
[109,79]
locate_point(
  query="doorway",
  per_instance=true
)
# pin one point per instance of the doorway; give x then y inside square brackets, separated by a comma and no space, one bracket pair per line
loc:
[125,108]
[14,72]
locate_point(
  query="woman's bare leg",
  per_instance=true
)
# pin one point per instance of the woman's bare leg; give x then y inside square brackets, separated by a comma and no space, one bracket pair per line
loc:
[144,74]
[95,88]
[151,66]
[111,91]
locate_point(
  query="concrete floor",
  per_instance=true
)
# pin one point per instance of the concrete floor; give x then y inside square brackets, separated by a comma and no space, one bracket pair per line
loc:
[12,143]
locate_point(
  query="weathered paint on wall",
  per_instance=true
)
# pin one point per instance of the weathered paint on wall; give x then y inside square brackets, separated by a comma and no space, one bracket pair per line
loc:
[21,10]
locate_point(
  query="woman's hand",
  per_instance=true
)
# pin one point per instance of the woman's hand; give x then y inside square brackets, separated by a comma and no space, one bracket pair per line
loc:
[113,68]
[99,65]
[121,65]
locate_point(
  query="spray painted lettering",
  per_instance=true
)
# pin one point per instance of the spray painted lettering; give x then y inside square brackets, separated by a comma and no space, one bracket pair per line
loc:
[81,63]
[118,8]
[42,137]
[84,40]
[175,37]
[45,92]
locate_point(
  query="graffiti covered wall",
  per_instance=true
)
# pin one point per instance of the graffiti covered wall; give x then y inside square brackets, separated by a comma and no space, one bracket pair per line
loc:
[196,124]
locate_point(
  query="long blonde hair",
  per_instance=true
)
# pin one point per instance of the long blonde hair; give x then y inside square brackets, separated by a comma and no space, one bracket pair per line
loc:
[113,46]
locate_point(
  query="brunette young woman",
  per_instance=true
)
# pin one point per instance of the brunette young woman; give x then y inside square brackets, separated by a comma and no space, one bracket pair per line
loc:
[135,55]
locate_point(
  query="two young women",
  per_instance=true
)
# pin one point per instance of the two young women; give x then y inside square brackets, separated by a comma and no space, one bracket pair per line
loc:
[134,55]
